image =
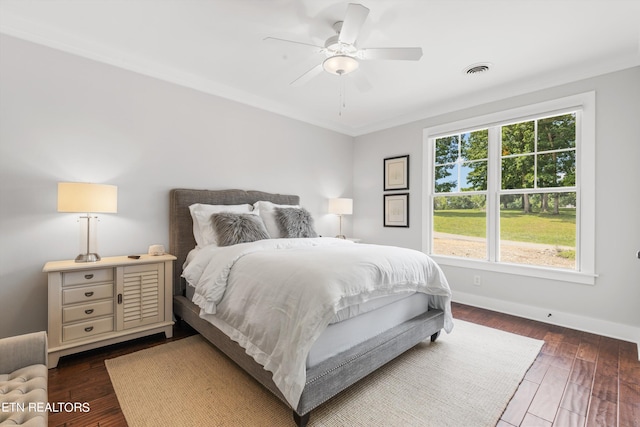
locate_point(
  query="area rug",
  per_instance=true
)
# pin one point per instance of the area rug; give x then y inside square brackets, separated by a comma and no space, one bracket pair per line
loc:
[465,378]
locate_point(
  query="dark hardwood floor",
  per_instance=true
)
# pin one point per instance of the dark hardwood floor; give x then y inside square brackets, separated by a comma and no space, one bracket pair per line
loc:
[578,379]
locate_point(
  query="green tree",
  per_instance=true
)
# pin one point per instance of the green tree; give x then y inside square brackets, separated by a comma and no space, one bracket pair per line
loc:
[556,168]
[518,146]
[446,156]
[535,153]
[475,151]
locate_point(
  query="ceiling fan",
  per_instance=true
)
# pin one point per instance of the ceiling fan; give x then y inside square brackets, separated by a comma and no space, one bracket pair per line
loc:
[342,54]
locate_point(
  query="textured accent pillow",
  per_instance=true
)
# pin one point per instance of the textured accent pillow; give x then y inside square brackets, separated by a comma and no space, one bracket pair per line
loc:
[295,222]
[234,228]
[203,230]
[267,212]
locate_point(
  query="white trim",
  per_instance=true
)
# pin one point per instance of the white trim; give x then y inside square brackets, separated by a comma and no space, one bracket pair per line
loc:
[585,239]
[541,314]
[427,179]
[561,275]
[493,198]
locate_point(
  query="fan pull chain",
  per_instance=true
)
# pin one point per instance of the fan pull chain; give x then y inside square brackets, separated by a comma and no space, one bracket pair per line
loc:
[342,96]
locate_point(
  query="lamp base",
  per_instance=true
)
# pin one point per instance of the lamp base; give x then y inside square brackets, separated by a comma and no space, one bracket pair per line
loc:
[88,258]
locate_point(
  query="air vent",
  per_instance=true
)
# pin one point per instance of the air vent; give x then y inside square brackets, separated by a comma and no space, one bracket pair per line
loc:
[477,68]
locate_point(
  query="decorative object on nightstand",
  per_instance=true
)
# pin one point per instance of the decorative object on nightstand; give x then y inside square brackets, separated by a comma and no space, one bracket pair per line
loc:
[341,206]
[156,250]
[87,198]
[108,301]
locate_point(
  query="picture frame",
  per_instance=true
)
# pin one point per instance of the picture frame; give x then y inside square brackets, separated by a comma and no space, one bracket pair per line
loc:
[396,173]
[396,210]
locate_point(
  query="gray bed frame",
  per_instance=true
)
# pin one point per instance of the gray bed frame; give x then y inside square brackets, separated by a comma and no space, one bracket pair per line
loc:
[324,380]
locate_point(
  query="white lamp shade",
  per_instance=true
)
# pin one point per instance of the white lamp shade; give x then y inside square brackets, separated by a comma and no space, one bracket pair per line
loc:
[87,198]
[341,206]
[340,64]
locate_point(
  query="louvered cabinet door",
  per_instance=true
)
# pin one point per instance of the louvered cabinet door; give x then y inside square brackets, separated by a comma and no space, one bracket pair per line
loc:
[140,299]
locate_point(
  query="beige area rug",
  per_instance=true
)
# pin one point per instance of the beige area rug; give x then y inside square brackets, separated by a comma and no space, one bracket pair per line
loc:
[465,378]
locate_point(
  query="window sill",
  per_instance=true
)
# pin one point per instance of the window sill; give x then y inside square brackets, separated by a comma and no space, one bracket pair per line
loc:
[569,276]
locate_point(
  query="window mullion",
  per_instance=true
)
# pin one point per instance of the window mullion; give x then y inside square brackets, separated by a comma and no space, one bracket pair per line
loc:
[535,153]
[493,197]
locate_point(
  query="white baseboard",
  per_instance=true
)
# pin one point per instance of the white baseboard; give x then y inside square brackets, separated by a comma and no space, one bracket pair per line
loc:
[541,314]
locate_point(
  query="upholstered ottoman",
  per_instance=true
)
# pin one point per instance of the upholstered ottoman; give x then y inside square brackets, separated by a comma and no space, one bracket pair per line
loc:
[23,380]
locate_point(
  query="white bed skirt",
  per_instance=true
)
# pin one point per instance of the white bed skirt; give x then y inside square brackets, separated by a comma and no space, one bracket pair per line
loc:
[366,321]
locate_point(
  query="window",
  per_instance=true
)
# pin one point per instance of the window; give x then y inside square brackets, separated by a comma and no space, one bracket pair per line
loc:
[460,194]
[515,190]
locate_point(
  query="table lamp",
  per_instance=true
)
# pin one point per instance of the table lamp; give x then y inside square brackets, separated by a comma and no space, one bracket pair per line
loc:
[341,207]
[88,199]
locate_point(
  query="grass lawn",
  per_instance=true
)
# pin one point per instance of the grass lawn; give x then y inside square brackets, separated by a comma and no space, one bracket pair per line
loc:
[543,228]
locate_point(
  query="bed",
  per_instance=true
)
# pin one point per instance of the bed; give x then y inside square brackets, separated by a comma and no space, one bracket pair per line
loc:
[333,363]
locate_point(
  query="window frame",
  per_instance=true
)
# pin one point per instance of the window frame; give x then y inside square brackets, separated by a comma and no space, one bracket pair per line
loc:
[585,106]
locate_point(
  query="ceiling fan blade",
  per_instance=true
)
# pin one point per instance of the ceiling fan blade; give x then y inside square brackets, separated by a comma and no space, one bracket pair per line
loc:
[352,24]
[277,40]
[402,53]
[303,79]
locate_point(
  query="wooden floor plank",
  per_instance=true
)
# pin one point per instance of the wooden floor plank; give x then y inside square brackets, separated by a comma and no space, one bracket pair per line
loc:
[602,413]
[582,373]
[588,351]
[576,399]
[547,400]
[605,387]
[629,415]
[533,421]
[567,418]
[519,404]
[538,369]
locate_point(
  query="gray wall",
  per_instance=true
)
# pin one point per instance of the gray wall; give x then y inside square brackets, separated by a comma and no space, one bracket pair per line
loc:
[65,118]
[612,306]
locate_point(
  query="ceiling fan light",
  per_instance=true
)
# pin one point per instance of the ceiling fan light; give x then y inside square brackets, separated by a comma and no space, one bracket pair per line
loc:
[340,64]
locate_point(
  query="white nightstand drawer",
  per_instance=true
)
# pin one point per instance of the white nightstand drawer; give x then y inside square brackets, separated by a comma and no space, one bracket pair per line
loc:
[87,329]
[87,293]
[87,311]
[88,276]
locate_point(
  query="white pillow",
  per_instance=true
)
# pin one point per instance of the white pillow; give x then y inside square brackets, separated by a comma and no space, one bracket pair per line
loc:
[267,212]
[203,230]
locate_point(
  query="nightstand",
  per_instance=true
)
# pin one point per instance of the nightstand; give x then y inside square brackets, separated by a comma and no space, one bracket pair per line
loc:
[113,300]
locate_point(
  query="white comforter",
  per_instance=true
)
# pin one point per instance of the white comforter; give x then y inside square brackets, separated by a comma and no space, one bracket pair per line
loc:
[276,296]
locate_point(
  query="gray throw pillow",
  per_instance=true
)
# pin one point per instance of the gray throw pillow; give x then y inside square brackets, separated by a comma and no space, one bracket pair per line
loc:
[295,222]
[233,228]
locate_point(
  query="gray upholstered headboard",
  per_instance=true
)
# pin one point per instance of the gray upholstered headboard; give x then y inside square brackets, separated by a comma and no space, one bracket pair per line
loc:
[181,239]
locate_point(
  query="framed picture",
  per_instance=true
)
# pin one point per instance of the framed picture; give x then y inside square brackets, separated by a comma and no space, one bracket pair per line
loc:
[396,173]
[396,210]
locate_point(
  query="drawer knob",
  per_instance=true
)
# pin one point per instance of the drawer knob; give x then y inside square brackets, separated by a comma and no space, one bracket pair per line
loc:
[89,311]
[88,276]
[88,294]
[88,329]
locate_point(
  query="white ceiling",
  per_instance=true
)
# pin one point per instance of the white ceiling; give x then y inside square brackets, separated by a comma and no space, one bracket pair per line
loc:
[217,46]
